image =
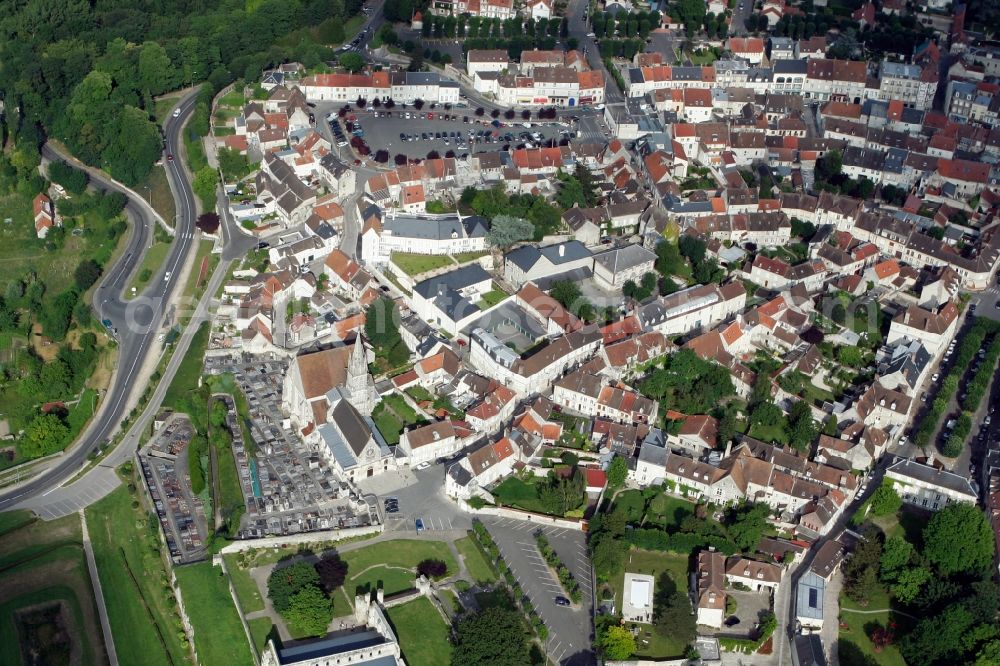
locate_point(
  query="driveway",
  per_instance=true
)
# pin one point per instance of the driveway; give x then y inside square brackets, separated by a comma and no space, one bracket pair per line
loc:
[569,641]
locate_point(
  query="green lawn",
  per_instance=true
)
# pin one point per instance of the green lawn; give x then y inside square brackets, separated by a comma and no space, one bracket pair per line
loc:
[632,504]
[521,494]
[859,627]
[233,99]
[392,415]
[465,257]
[419,393]
[653,563]
[134,581]
[10,650]
[246,589]
[12,520]
[769,433]
[475,561]
[491,298]
[152,259]
[422,633]
[393,563]
[194,288]
[415,264]
[260,627]
[189,371]
[218,634]
[668,511]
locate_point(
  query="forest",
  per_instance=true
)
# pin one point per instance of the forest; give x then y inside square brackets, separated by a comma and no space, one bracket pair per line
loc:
[86,72]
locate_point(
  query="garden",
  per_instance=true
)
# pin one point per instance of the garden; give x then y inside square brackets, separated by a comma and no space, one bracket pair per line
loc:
[392,415]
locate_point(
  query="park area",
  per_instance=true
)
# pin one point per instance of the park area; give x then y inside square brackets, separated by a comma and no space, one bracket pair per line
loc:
[48,613]
[653,508]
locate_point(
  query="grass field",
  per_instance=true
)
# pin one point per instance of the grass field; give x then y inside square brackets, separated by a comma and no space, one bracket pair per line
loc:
[152,259]
[479,568]
[12,520]
[218,635]
[194,289]
[859,626]
[392,415]
[260,627]
[465,257]
[141,608]
[422,633]
[156,189]
[491,298]
[186,377]
[415,264]
[662,510]
[393,563]
[521,494]
[246,589]
[42,563]
[653,563]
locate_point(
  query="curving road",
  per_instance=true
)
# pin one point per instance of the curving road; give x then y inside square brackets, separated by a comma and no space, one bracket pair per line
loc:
[137,321]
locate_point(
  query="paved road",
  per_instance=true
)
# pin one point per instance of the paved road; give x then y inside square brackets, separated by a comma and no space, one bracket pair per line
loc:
[102,479]
[569,641]
[579,29]
[138,320]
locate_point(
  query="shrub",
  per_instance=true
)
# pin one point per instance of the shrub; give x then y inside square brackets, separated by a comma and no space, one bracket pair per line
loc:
[432,568]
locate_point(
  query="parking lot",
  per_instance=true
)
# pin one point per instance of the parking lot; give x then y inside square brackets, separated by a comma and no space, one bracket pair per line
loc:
[461,132]
[569,640]
[418,494]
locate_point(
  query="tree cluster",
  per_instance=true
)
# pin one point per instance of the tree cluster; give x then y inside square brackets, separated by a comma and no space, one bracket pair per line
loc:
[86,73]
[490,203]
[301,594]
[688,383]
[945,580]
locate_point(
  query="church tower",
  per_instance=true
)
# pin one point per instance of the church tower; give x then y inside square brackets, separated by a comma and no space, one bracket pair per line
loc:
[359,383]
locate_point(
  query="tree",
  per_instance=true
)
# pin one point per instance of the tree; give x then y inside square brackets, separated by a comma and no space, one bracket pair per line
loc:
[801,426]
[74,180]
[208,222]
[617,643]
[617,471]
[829,166]
[432,568]
[156,73]
[44,435]
[86,274]
[862,569]
[672,611]
[908,584]
[746,524]
[958,539]
[204,184]
[285,582]
[885,500]
[506,230]
[351,61]
[309,611]
[332,572]
[382,325]
[607,556]
[492,636]
[896,555]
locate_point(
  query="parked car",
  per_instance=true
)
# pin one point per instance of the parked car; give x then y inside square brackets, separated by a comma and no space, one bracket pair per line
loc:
[423,465]
[419,524]
[562,601]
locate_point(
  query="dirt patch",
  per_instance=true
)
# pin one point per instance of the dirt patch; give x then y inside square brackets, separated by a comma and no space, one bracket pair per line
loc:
[45,632]
[100,379]
[45,348]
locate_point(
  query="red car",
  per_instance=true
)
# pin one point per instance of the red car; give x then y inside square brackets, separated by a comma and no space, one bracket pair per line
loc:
[170,158]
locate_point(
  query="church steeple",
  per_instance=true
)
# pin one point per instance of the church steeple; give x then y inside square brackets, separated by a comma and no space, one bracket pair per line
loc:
[358,379]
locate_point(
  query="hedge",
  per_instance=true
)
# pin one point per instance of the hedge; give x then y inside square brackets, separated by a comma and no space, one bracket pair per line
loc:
[679,542]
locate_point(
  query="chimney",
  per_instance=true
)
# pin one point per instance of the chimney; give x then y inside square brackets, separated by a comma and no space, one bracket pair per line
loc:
[562,250]
[729,449]
[930,459]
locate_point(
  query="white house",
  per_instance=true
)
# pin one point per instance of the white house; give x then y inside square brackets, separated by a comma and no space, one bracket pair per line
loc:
[927,487]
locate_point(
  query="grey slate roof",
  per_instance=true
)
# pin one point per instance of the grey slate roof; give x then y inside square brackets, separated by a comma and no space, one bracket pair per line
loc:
[526,257]
[928,474]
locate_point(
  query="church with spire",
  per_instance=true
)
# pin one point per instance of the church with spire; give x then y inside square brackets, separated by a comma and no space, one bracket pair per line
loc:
[329,396]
